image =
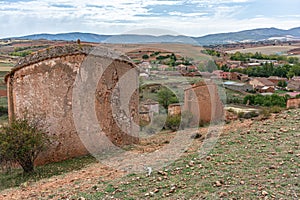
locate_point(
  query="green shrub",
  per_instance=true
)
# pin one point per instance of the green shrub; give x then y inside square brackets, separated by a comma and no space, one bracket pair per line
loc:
[21,141]
[265,112]
[3,110]
[267,101]
[173,122]
[176,122]
[145,57]
[276,109]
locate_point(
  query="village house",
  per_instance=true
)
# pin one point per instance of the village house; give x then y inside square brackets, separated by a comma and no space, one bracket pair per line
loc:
[260,61]
[253,64]
[261,82]
[241,77]
[262,85]
[219,73]
[276,79]
[234,64]
[241,87]
[294,85]
[152,106]
[234,76]
[145,66]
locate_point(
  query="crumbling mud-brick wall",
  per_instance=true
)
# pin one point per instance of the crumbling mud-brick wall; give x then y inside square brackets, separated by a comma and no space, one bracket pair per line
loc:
[203,101]
[293,103]
[41,85]
[174,109]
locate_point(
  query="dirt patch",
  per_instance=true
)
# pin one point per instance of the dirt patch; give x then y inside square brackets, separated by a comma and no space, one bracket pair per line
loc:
[63,185]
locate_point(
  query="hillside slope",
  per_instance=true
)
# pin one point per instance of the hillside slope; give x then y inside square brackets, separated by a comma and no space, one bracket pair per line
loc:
[251,160]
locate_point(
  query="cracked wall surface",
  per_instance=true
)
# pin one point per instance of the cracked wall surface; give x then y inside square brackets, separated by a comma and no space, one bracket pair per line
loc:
[40,87]
[203,101]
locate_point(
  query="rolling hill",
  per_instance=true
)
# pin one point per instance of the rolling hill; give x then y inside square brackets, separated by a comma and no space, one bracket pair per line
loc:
[254,35]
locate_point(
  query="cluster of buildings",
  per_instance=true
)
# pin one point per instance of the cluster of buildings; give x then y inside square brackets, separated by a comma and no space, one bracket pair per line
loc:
[233,80]
[201,99]
[243,83]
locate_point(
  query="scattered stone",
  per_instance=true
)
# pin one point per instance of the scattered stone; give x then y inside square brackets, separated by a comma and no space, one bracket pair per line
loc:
[218,183]
[156,190]
[272,167]
[223,194]
[196,136]
[264,193]
[172,190]
[162,173]
[290,152]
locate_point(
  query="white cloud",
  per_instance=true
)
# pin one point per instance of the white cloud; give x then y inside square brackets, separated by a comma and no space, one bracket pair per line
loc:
[175,13]
[119,16]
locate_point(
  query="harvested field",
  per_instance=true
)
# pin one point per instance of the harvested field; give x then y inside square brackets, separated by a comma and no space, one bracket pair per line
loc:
[268,50]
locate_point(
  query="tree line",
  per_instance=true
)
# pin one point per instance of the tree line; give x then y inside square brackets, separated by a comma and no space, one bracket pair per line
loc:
[268,69]
[245,57]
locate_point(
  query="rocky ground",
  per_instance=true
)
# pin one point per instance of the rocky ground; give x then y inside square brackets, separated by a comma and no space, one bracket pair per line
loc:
[252,159]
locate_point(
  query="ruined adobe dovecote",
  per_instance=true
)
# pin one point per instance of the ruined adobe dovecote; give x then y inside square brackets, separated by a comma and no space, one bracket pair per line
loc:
[41,86]
[204,102]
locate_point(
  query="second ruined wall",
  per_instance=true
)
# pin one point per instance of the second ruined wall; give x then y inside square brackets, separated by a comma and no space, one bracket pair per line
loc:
[204,102]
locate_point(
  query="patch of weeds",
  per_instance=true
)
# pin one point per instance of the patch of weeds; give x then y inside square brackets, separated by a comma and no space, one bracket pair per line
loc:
[110,188]
[16,177]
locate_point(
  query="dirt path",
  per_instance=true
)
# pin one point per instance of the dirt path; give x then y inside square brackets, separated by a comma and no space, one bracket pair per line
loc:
[63,186]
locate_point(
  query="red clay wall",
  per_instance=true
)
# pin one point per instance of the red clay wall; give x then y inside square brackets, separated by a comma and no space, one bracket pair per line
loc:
[293,103]
[43,90]
[203,101]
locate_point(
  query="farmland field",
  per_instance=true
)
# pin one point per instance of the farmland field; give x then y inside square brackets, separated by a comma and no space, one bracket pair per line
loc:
[268,50]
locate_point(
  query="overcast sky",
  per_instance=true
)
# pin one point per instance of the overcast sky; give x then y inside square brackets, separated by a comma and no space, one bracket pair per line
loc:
[184,17]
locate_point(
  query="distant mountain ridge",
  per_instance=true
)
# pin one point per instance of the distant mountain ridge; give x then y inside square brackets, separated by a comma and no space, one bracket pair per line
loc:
[253,35]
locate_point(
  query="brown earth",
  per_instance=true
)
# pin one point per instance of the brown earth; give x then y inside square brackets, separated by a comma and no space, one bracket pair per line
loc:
[66,185]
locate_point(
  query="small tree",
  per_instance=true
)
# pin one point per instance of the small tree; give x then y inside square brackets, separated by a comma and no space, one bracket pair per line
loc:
[282,84]
[21,142]
[166,97]
[145,57]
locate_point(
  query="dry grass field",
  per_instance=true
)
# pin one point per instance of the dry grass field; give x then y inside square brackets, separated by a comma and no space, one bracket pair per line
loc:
[268,50]
[186,50]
